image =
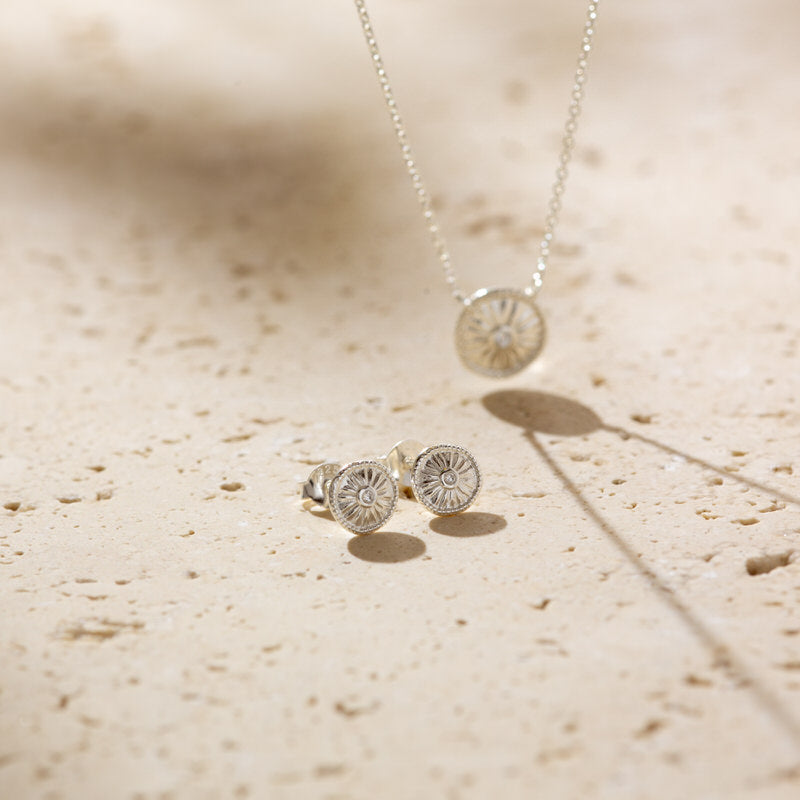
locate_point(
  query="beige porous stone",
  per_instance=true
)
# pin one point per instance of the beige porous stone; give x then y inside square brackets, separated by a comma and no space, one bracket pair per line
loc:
[215,276]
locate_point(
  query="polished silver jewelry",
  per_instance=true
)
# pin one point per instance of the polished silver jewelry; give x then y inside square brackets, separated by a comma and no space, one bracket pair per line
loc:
[500,331]
[445,478]
[361,495]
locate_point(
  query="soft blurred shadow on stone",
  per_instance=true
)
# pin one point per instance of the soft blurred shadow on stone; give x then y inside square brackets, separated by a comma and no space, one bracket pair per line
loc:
[320,511]
[541,412]
[387,547]
[468,524]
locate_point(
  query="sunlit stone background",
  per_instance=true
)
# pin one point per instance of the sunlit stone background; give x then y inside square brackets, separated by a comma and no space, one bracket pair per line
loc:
[214,276]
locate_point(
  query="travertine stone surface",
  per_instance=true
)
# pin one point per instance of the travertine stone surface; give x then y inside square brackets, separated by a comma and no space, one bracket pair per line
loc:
[215,277]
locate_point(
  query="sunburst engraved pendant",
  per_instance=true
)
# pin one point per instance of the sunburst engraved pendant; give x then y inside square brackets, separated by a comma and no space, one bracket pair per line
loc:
[362,496]
[499,332]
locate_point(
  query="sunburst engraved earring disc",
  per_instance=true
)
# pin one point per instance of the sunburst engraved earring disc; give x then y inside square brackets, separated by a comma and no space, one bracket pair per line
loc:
[446,479]
[362,496]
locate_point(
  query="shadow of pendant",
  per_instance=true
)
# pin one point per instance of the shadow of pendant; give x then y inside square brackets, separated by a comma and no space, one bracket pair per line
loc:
[542,413]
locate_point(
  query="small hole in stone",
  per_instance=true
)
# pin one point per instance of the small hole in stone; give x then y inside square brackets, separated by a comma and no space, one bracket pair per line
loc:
[761,565]
[12,506]
[231,486]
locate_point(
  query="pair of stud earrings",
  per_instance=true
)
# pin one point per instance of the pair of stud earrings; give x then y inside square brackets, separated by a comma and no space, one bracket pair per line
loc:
[362,495]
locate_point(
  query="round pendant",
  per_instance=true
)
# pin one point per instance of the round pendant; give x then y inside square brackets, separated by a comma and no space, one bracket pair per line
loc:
[499,332]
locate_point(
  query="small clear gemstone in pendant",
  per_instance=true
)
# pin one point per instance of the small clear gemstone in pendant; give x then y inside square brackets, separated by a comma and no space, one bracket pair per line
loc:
[503,337]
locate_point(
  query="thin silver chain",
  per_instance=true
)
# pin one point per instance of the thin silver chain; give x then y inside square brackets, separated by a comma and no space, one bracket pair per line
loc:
[557,192]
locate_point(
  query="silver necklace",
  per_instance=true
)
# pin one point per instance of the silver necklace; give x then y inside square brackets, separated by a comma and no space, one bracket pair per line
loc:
[500,330]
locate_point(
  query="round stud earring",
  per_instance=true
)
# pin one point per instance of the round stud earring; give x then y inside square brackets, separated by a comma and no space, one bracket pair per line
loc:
[445,478]
[361,495]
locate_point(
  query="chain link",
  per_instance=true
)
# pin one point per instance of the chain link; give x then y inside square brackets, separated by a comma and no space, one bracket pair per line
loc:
[557,191]
[567,146]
